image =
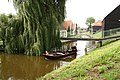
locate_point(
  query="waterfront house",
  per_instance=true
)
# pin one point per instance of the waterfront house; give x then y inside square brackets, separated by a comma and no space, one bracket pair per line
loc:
[97,26]
[111,22]
[63,31]
[68,28]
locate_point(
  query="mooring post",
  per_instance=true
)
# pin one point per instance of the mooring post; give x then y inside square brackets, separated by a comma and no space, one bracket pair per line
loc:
[85,51]
[100,42]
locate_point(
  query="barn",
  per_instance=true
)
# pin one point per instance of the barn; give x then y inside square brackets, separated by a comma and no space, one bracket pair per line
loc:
[111,23]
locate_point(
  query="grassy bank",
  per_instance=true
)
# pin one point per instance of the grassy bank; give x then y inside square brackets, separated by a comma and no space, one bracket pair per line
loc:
[100,64]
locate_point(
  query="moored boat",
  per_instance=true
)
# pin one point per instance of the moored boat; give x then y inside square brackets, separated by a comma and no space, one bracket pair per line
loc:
[57,55]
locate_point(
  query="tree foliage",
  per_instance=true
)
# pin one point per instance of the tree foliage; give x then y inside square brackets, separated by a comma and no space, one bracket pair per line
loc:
[37,27]
[9,29]
[3,26]
[89,21]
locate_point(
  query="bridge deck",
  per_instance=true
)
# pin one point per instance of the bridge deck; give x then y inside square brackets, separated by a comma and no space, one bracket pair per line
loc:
[91,39]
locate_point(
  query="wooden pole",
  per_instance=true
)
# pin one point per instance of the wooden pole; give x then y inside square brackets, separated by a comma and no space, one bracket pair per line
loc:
[85,51]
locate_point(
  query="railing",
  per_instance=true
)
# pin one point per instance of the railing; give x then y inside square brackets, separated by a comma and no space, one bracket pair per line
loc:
[111,32]
[98,36]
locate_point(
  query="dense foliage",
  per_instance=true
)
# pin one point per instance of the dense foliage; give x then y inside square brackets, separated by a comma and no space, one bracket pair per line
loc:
[89,21]
[3,25]
[10,28]
[37,27]
[3,22]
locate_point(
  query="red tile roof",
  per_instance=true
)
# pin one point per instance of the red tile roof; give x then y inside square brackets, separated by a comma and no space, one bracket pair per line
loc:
[98,23]
[67,23]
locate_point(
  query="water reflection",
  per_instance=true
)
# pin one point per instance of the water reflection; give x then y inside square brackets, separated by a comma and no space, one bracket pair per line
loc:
[84,46]
[81,45]
[22,67]
[27,67]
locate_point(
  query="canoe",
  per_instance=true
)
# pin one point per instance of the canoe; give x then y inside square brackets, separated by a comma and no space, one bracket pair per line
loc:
[58,55]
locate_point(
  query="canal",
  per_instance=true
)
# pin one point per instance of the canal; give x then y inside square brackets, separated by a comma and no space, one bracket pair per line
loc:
[23,67]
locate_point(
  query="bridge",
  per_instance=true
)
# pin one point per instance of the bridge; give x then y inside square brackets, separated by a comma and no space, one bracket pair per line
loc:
[109,34]
[91,39]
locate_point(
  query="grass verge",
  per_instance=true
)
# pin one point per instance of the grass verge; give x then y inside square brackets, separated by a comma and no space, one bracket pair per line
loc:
[100,64]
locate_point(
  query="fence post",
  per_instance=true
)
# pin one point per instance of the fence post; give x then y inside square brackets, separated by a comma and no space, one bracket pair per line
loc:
[100,42]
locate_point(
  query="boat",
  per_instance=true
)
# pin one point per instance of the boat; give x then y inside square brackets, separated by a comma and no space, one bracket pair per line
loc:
[58,55]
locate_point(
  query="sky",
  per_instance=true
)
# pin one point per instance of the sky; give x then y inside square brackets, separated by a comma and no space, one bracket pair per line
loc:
[6,7]
[76,10]
[79,10]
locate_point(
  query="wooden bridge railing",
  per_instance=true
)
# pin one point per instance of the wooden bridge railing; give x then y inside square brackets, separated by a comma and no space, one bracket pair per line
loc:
[92,39]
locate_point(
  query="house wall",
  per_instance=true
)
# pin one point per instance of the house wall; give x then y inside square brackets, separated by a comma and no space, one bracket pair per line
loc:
[96,28]
[63,33]
[111,24]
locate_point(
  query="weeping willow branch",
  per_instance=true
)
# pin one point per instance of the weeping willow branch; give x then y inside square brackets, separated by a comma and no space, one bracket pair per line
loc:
[41,20]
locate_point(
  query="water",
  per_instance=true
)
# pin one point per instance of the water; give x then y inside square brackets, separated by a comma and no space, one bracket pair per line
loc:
[81,45]
[23,67]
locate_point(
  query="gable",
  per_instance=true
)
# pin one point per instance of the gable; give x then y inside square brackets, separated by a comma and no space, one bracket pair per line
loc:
[98,23]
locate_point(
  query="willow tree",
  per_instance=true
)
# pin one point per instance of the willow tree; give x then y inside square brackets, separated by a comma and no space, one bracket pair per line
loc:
[3,26]
[41,22]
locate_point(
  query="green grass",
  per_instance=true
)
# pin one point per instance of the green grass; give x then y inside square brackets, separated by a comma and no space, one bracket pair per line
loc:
[97,35]
[100,64]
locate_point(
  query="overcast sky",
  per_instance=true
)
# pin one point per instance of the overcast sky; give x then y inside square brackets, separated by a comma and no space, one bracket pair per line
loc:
[77,10]
[6,7]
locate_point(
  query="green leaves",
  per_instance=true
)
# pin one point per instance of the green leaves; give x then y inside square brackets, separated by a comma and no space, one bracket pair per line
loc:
[37,27]
[89,21]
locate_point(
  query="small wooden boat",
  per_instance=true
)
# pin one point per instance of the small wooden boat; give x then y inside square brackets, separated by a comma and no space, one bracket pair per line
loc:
[57,55]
